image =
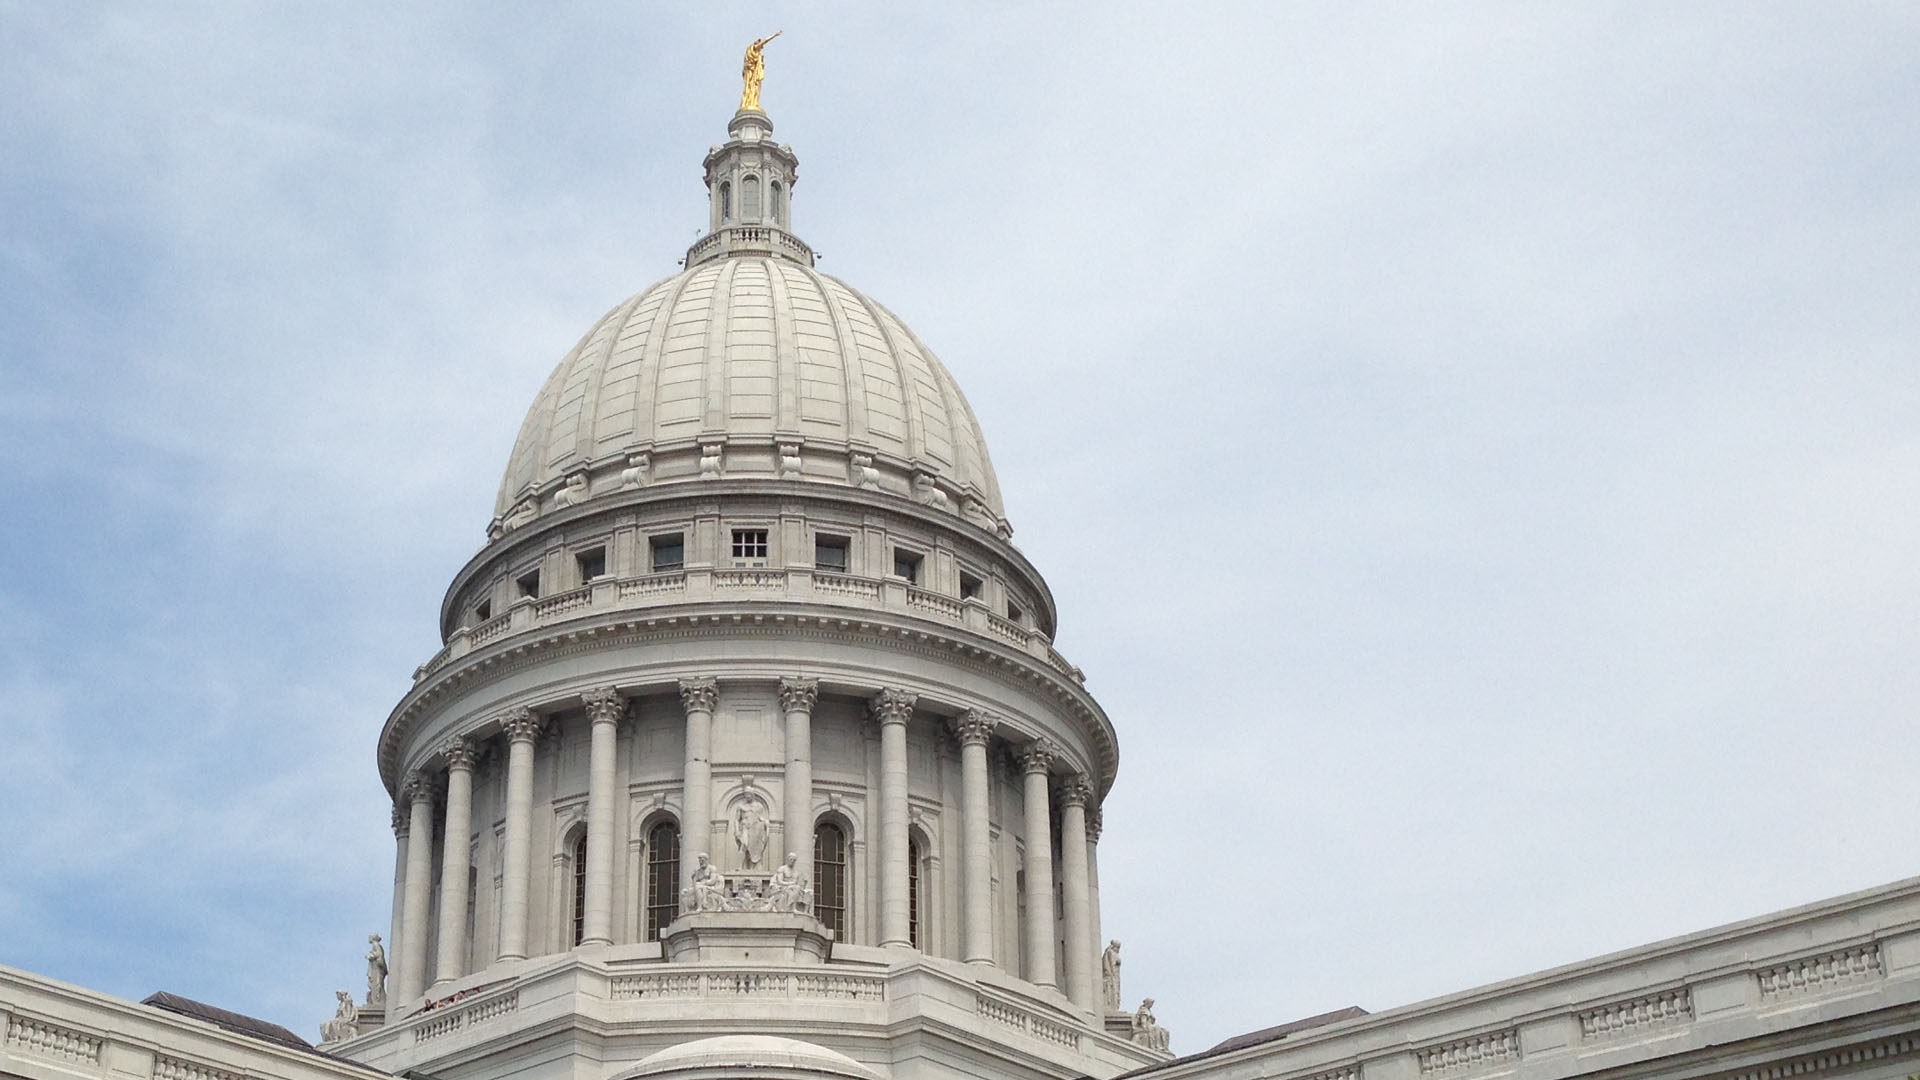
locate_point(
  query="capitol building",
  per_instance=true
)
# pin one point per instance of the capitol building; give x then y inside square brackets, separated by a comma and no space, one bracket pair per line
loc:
[746,752]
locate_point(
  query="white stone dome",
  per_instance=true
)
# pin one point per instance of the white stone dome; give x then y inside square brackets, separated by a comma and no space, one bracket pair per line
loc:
[751,366]
[755,1053]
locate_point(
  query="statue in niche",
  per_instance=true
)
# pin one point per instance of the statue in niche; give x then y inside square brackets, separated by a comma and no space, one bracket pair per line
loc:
[787,890]
[1110,976]
[750,832]
[376,972]
[1146,1031]
[344,1024]
[708,892]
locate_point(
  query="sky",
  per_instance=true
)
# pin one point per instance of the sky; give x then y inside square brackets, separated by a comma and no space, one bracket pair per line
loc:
[1474,448]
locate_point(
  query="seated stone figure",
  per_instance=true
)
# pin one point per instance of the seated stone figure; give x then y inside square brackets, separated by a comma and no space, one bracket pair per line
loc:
[708,891]
[787,890]
[344,1024]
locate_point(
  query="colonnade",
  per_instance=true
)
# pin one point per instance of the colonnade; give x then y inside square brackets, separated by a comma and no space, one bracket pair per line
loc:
[890,709]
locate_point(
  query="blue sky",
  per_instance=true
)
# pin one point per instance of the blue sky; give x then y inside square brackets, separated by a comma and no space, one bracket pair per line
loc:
[1474,450]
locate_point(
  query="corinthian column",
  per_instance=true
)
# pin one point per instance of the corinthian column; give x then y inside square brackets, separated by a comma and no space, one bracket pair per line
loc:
[696,795]
[400,834]
[454,856]
[797,698]
[973,730]
[522,728]
[1074,796]
[411,981]
[1097,941]
[1035,761]
[604,709]
[891,708]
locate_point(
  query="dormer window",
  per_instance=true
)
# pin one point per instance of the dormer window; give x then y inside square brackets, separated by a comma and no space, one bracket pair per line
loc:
[592,563]
[906,564]
[750,545]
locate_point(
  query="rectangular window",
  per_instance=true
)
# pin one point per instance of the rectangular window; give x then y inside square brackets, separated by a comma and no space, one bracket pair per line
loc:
[529,584]
[969,586]
[593,563]
[750,543]
[830,553]
[483,611]
[1015,614]
[906,564]
[669,552]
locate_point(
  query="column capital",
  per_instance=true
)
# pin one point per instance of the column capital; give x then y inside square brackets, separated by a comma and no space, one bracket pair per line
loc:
[459,753]
[892,706]
[973,728]
[699,695]
[522,725]
[417,786]
[798,694]
[1037,756]
[402,817]
[1075,791]
[1093,824]
[605,706]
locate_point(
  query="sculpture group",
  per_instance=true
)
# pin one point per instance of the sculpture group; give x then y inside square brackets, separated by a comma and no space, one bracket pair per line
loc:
[785,890]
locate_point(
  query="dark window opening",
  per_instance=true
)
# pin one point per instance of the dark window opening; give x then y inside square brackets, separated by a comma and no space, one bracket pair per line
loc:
[529,584]
[914,891]
[830,553]
[483,611]
[1015,613]
[580,887]
[830,878]
[906,564]
[749,543]
[969,586]
[726,201]
[669,552]
[663,877]
[593,564]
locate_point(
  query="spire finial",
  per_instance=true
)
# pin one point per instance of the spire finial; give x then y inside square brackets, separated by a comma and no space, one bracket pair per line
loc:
[753,70]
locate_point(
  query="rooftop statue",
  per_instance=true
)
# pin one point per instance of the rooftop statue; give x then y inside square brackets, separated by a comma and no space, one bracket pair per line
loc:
[753,70]
[376,973]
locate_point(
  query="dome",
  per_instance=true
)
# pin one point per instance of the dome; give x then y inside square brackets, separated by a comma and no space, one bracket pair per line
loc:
[750,366]
[755,1052]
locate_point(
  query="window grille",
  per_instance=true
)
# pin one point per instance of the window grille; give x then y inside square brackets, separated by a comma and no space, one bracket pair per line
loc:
[580,887]
[663,877]
[830,878]
[749,543]
[914,891]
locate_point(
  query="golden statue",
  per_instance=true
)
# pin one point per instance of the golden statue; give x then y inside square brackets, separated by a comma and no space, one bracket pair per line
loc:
[753,70]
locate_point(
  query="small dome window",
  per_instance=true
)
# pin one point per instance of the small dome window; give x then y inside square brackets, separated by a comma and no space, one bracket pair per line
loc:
[775,213]
[750,199]
[726,201]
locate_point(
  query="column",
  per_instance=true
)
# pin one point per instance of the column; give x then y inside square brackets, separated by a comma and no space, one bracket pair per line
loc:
[797,698]
[891,708]
[1099,940]
[412,980]
[401,832]
[973,730]
[1074,796]
[604,709]
[1035,761]
[450,964]
[696,793]
[522,728]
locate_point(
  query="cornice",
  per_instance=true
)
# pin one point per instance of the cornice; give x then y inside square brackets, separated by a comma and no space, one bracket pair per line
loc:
[540,646]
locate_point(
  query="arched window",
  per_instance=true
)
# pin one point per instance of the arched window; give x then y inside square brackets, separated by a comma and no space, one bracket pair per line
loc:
[830,877]
[750,199]
[726,201]
[580,887]
[916,891]
[663,876]
[774,211]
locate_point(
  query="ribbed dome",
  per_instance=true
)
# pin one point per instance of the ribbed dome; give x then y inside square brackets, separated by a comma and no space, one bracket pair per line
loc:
[759,1053]
[750,366]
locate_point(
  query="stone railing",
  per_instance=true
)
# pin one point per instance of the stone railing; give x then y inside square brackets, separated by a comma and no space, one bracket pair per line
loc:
[1010,1015]
[804,585]
[448,1019]
[44,1039]
[748,240]
[1636,1015]
[1463,1055]
[172,1068]
[748,983]
[1815,973]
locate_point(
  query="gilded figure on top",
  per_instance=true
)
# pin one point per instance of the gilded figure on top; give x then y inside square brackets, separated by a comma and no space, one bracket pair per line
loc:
[753,70]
